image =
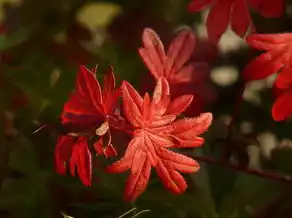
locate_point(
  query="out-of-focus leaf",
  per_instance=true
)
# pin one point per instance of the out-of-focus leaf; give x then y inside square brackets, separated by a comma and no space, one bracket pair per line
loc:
[97,14]
[279,206]
[60,37]
[30,195]
[204,201]
[8,41]
[281,159]
[247,190]
[23,158]
[55,75]
[220,179]
[37,83]
[2,2]
[127,65]
[194,202]
[221,182]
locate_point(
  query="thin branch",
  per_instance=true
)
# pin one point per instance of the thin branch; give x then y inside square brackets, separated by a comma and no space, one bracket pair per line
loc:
[263,174]
[138,214]
[128,212]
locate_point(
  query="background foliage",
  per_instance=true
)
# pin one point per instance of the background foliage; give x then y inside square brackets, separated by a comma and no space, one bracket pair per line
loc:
[43,42]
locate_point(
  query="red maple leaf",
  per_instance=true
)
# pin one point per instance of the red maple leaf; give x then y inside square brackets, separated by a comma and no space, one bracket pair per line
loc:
[183,77]
[282,107]
[235,12]
[90,111]
[272,61]
[76,151]
[155,131]
[276,59]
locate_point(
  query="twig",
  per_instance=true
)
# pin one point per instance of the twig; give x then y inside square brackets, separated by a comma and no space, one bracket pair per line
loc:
[138,214]
[263,174]
[128,212]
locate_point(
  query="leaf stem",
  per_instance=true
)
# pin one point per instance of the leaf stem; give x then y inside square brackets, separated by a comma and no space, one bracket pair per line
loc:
[128,212]
[263,174]
[142,211]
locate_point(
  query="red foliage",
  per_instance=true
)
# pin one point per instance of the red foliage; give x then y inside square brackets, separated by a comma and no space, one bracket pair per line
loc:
[277,55]
[275,59]
[155,131]
[234,12]
[91,110]
[282,107]
[184,77]
[77,151]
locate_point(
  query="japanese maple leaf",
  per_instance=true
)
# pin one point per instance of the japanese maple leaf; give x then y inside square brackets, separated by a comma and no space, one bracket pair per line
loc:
[183,77]
[276,57]
[76,151]
[282,108]
[90,111]
[235,12]
[155,131]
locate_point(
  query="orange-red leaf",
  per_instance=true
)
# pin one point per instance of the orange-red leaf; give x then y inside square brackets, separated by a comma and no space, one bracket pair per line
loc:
[62,152]
[218,19]
[282,108]
[139,176]
[88,87]
[264,65]
[179,51]
[270,9]
[179,104]
[240,18]
[154,132]
[81,159]
[183,76]
[235,12]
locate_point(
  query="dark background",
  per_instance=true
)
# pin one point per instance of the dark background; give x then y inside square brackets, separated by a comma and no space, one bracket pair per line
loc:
[42,44]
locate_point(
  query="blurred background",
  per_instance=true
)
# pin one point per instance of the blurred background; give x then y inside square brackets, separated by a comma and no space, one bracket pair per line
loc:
[42,43]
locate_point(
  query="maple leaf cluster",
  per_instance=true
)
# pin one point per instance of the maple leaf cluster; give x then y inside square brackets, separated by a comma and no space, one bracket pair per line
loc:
[93,112]
[276,59]
[177,66]
[236,13]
